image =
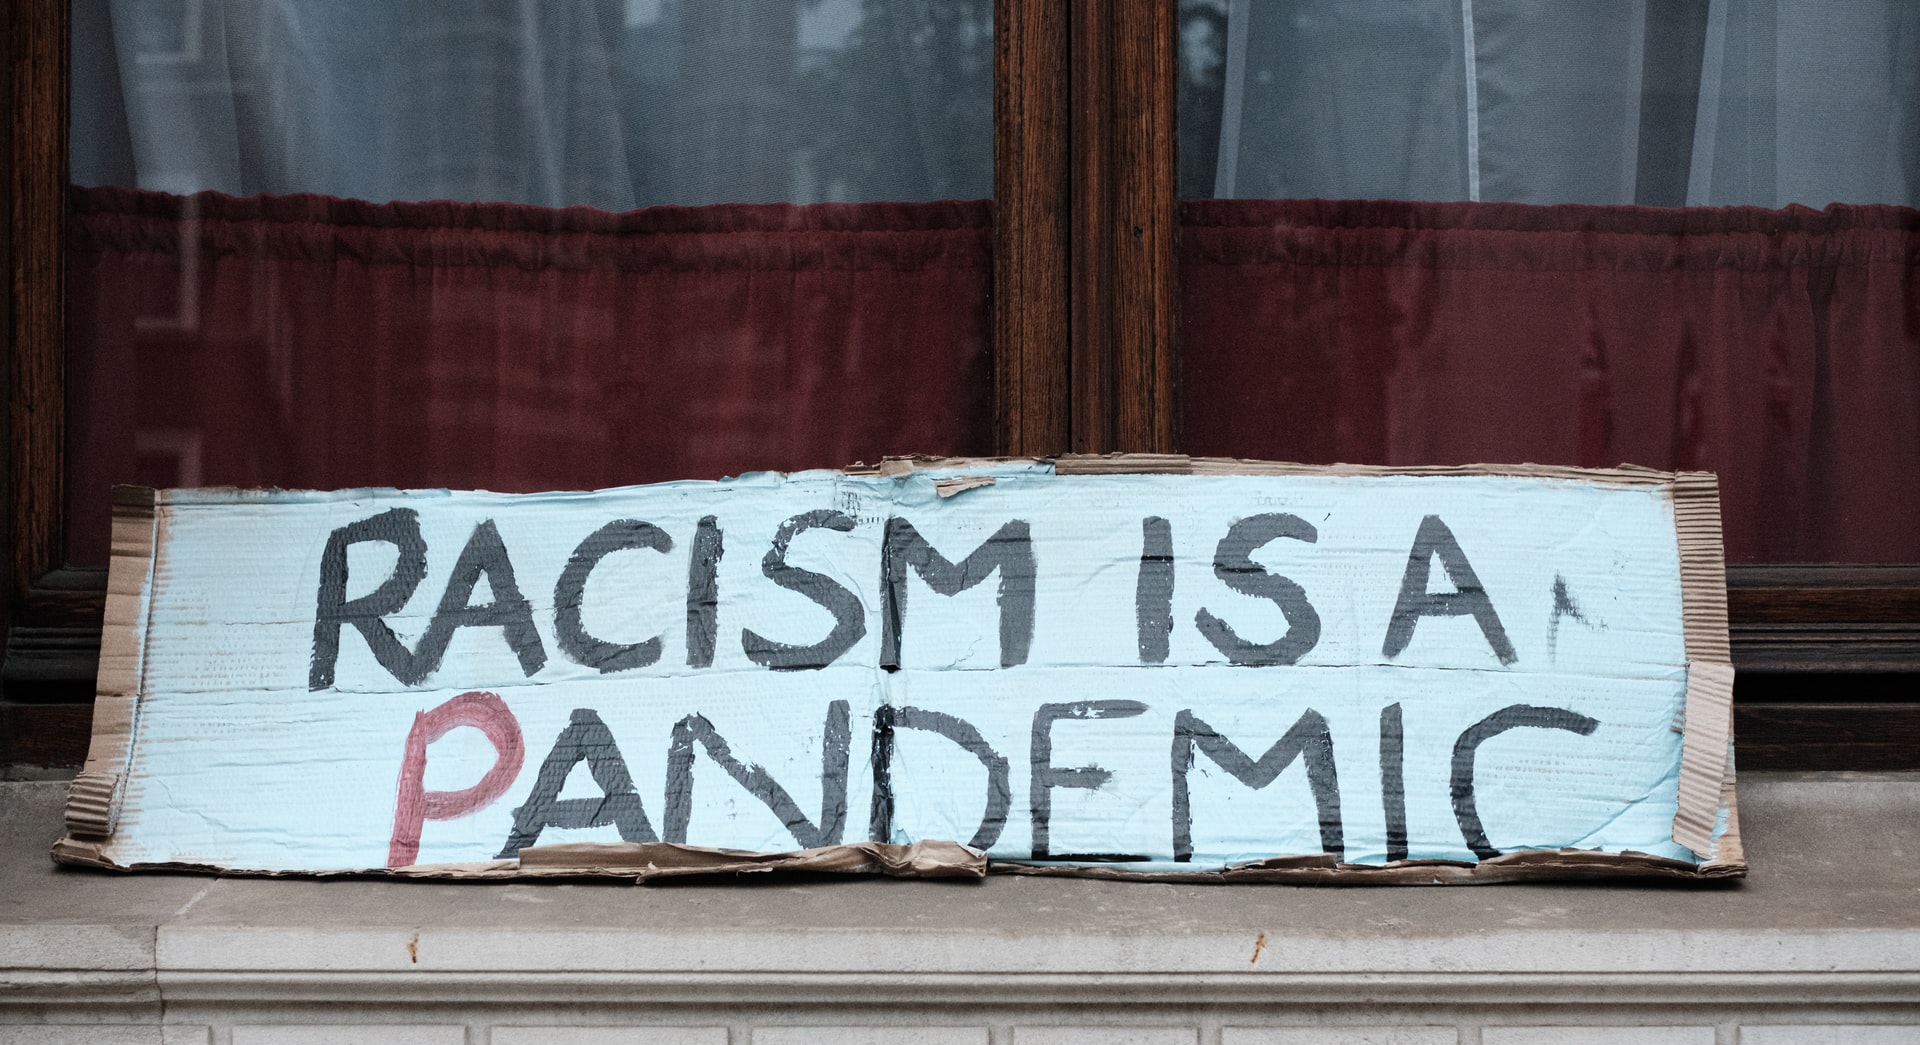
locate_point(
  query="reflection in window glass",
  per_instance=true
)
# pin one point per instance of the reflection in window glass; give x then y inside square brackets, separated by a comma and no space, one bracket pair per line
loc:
[1679,103]
[1359,282]
[339,325]
[615,104]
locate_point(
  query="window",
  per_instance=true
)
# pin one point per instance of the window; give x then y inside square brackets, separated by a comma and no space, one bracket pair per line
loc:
[328,329]
[1086,304]
[1769,346]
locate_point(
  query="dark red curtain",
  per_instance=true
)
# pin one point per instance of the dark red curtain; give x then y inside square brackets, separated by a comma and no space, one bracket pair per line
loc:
[1780,349]
[305,341]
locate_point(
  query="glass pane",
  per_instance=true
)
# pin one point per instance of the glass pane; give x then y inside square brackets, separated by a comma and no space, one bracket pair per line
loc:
[614,104]
[1670,103]
[316,333]
[1732,332]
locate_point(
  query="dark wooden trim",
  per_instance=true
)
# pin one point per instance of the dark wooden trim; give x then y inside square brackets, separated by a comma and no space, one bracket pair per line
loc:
[1124,276]
[1084,260]
[7,486]
[40,654]
[1031,187]
[1818,647]
[1827,736]
[1824,591]
[51,613]
[1824,617]
[1146,77]
[36,343]
[56,636]
[50,734]
[1091,278]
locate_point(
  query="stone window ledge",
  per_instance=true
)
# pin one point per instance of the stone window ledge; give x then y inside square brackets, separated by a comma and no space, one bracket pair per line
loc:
[1825,934]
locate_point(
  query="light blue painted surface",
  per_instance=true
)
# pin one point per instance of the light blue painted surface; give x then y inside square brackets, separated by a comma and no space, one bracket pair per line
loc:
[237,763]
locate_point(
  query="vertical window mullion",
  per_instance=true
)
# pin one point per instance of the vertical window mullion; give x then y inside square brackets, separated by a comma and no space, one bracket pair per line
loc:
[1031,190]
[1124,221]
[1085,180]
[1145,166]
[36,301]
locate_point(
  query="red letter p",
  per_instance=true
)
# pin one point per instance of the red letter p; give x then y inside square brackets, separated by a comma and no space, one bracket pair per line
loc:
[415,805]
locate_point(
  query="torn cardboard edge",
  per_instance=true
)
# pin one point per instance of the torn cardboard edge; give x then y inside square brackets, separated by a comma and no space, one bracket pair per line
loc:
[1706,787]
[644,862]
[638,862]
[94,798]
[1706,756]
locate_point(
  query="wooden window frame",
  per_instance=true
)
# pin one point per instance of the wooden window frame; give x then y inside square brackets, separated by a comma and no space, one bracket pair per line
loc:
[1084,322]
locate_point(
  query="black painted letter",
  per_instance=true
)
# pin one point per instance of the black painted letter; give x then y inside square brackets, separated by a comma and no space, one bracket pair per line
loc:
[1514,716]
[1046,776]
[1009,550]
[580,647]
[1309,740]
[399,527]
[1234,565]
[849,617]
[509,611]
[1153,593]
[585,738]
[1416,602]
[887,718]
[1393,780]
[833,780]
[703,593]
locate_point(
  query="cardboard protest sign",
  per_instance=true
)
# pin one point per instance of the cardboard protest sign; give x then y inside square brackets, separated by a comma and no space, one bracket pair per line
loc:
[1127,665]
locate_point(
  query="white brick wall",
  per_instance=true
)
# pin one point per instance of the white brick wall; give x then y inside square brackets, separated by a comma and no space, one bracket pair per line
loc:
[1829,1035]
[609,1036]
[411,1034]
[1339,1036]
[867,1036]
[1106,1036]
[1597,1035]
[95,1034]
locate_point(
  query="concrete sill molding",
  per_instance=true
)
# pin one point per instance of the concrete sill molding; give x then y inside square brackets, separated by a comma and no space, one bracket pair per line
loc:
[1826,931]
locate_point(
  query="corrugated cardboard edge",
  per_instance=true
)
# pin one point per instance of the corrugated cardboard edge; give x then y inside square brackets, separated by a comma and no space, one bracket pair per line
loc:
[1706,759]
[1709,700]
[94,798]
[1525,864]
[647,861]
[1181,464]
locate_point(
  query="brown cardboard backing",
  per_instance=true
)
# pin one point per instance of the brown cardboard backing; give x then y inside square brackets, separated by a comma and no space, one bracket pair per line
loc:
[1706,758]
[94,797]
[1706,775]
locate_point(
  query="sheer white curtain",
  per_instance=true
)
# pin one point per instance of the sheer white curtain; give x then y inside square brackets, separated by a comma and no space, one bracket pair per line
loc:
[615,104]
[1658,102]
